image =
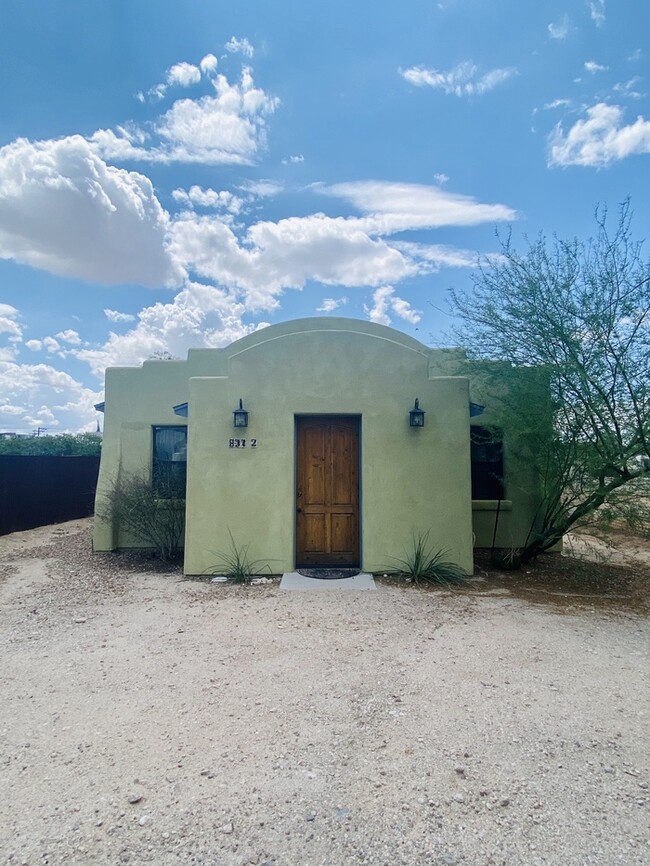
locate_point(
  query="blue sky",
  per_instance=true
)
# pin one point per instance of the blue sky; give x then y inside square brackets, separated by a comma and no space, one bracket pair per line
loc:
[179,173]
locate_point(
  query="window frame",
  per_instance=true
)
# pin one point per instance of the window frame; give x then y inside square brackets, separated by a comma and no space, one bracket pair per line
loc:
[487,464]
[168,475]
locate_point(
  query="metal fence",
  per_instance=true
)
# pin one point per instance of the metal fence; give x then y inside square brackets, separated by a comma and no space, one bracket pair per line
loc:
[37,490]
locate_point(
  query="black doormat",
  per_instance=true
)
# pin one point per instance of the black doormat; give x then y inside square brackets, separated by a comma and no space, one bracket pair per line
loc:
[329,573]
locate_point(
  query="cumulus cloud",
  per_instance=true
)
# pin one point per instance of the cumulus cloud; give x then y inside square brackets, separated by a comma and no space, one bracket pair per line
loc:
[557,103]
[69,336]
[64,210]
[330,304]
[228,128]
[8,323]
[600,139]
[241,46]
[183,74]
[385,301]
[199,316]
[559,29]
[270,257]
[116,316]
[276,256]
[39,395]
[209,198]
[593,67]
[208,64]
[462,80]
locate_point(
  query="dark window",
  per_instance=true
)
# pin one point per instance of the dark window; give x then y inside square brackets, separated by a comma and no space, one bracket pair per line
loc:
[487,463]
[169,469]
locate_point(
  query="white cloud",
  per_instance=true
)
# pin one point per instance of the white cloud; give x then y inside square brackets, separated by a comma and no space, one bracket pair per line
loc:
[293,160]
[593,67]
[276,256]
[391,207]
[331,304]
[436,256]
[261,188]
[183,74]
[34,345]
[229,128]
[64,210]
[51,345]
[208,64]
[628,89]
[209,198]
[199,316]
[69,336]
[441,178]
[384,302]
[557,103]
[348,251]
[597,11]
[39,395]
[8,323]
[116,316]
[242,46]
[559,29]
[600,139]
[462,80]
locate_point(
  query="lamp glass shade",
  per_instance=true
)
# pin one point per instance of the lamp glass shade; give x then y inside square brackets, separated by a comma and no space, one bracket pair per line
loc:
[416,415]
[240,416]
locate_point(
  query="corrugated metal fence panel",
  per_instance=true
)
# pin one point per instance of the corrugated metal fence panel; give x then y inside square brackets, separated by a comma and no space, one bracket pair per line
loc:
[37,490]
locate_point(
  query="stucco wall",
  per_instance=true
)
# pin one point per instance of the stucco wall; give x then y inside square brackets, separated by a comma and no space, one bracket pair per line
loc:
[412,480]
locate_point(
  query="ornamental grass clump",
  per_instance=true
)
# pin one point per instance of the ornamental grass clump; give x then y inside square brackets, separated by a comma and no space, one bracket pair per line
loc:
[235,564]
[422,564]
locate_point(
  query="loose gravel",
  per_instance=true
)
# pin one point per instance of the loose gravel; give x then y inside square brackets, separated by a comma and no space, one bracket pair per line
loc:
[145,718]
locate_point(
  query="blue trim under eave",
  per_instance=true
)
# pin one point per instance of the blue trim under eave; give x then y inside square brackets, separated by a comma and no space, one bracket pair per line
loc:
[181,409]
[475,409]
[100,406]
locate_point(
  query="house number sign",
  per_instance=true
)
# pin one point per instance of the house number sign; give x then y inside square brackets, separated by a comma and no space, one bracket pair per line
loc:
[242,443]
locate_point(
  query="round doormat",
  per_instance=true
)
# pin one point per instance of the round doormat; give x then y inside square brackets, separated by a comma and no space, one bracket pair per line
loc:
[329,573]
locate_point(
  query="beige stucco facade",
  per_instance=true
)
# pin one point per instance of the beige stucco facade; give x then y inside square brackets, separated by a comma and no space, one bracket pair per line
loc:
[411,480]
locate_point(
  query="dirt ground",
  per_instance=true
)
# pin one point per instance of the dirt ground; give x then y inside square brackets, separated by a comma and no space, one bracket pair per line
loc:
[145,718]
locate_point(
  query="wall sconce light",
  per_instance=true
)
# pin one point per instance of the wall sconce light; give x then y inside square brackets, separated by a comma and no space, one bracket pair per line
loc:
[240,416]
[416,415]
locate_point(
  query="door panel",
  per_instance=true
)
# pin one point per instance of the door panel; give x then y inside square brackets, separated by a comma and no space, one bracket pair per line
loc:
[327,496]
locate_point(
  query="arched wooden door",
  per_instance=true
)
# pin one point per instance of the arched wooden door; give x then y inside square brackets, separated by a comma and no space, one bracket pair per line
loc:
[327,494]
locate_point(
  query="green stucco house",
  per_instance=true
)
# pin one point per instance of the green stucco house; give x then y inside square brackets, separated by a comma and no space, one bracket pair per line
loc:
[323,441]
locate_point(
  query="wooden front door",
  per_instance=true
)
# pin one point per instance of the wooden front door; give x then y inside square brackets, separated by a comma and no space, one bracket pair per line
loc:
[327,494]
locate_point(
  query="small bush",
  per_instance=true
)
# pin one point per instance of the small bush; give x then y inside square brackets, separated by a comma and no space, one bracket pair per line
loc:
[154,517]
[421,564]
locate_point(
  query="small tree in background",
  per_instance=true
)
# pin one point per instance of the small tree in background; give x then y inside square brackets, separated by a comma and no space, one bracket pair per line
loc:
[63,445]
[580,312]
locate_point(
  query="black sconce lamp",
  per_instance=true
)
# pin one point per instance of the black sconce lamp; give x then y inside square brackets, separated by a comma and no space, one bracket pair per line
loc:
[240,416]
[416,415]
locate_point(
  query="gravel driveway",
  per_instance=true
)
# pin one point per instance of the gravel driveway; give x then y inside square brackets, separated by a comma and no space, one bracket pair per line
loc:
[147,719]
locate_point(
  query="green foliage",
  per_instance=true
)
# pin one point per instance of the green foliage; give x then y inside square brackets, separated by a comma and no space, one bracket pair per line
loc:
[236,565]
[63,445]
[154,518]
[421,564]
[577,313]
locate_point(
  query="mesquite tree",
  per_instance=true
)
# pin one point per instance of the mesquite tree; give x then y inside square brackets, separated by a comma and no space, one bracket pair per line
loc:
[579,311]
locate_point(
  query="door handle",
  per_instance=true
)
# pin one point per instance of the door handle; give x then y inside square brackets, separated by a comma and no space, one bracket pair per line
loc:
[299,510]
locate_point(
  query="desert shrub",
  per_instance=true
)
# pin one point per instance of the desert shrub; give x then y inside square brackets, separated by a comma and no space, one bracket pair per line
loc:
[155,518]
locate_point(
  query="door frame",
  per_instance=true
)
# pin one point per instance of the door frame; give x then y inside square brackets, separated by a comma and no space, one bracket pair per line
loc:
[327,416]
